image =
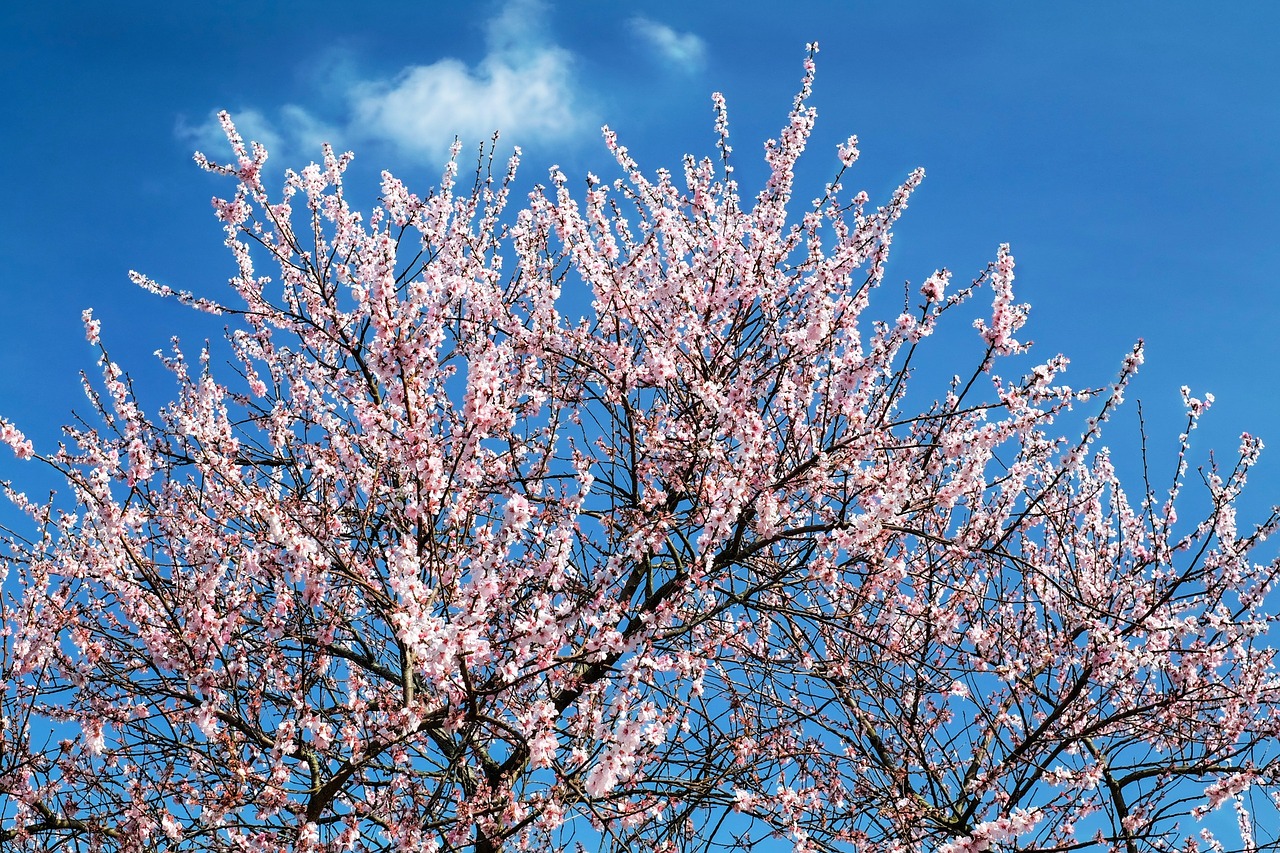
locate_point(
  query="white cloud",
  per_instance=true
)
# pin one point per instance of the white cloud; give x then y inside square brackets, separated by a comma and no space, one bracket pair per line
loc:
[685,50]
[523,87]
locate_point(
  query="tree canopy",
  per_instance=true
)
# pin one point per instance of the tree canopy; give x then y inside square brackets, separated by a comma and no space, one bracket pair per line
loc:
[436,564]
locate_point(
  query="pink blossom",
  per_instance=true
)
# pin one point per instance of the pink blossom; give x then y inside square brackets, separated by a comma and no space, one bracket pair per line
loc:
[528,516]
[92,327]
[10,435]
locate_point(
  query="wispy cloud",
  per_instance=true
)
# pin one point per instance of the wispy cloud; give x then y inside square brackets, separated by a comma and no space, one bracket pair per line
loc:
[683,50]
[523,87]
[294,129]
[208,137]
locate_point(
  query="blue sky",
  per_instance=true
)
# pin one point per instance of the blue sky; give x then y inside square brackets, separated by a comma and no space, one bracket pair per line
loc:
[1127,151]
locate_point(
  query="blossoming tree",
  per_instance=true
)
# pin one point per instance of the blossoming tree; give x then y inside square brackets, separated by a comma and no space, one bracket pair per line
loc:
[434,565]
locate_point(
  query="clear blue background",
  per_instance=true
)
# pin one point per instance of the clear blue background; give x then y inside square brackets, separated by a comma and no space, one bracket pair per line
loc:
[1127,151]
